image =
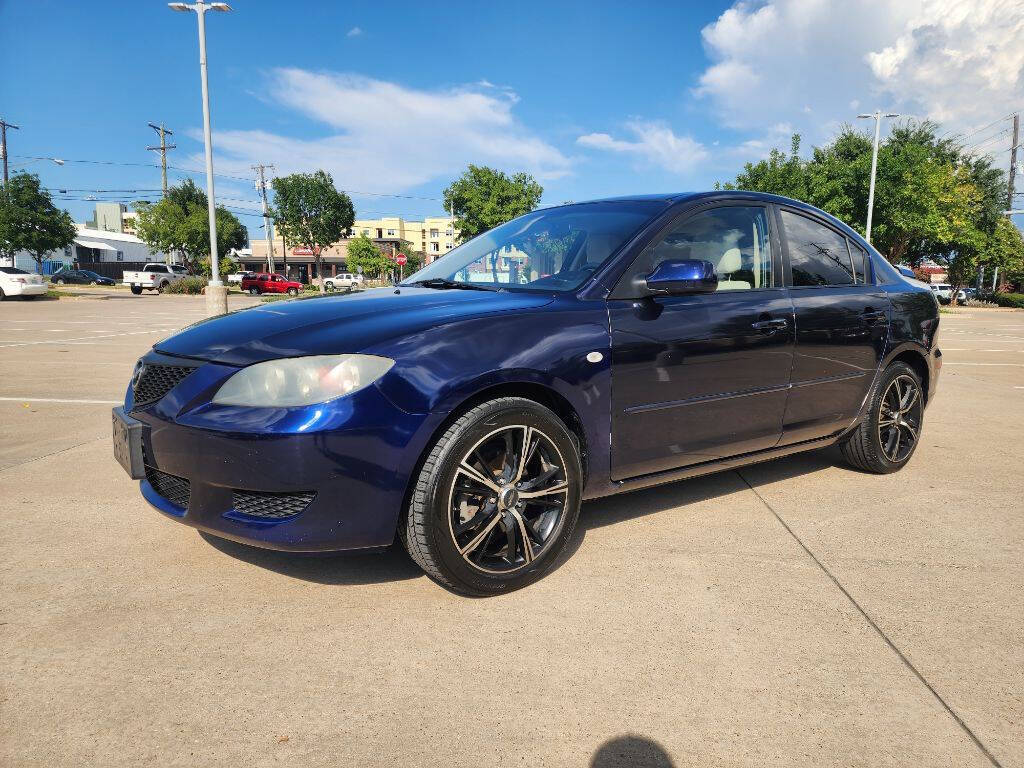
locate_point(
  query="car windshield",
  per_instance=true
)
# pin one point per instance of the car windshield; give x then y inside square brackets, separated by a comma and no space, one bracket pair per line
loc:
[550,249]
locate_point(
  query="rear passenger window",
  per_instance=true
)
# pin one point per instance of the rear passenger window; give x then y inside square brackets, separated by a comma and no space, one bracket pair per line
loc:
[817,255]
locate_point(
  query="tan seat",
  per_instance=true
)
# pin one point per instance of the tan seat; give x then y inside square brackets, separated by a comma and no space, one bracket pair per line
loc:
[731,261]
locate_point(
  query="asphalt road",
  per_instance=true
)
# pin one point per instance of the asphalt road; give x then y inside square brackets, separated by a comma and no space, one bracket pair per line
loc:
[795,613]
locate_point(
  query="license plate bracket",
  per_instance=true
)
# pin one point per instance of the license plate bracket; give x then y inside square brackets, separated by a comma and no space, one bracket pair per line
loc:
[127,437]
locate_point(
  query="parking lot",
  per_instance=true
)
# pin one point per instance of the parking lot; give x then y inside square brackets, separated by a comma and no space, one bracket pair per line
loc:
[793,613]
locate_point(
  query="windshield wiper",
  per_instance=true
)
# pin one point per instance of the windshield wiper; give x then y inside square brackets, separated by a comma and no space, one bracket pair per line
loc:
[443,283]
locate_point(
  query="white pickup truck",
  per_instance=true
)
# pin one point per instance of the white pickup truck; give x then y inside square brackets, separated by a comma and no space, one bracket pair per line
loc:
[153,277]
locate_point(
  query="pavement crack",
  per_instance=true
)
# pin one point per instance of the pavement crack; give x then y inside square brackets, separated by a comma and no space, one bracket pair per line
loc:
[52,453]
[881,633]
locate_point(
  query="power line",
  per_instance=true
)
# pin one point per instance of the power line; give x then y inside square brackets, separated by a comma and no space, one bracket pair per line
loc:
[977,130]
[975,147]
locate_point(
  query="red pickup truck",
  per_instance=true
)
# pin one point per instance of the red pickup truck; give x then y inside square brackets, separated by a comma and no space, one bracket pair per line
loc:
[256,283]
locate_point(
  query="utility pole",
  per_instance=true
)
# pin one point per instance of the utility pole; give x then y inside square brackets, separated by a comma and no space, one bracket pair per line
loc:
[162,149]
[1013,159]
[261,187]
[877,115]
[4,125]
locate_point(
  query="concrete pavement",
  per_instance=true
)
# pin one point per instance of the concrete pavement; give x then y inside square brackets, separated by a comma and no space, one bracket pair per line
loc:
[793,613]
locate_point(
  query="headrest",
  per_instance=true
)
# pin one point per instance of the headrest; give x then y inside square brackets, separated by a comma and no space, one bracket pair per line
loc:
[731,261]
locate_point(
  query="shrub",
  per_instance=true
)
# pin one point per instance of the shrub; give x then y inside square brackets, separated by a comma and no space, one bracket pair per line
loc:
[1008,299]
[187,285]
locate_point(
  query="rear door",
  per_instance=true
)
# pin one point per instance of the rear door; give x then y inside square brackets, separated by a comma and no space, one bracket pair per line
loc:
[842,320]
[701,377]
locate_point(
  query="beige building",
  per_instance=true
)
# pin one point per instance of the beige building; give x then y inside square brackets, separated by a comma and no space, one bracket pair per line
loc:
[432,236]
[299,263]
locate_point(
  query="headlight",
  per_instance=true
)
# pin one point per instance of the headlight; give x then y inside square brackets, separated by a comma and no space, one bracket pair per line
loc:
[301,380]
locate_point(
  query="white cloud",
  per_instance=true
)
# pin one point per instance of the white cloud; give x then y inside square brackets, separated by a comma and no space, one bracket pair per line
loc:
[354,32]
[385,137]
[815,62]
[654,143]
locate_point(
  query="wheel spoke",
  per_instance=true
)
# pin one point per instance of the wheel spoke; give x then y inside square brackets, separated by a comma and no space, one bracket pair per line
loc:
[529,446]
[466,469]
[481,514]
[485,466]
[560,488]
[540,479]
[479,538]
[910,400]
[527,544]
[892,444]
[887,422]
[910,430]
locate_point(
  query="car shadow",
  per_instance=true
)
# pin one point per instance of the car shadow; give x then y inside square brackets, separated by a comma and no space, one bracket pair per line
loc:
[393,564]
[611,510]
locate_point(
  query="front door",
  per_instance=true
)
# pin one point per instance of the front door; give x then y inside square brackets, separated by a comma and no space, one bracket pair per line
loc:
[842,321]
[701,377]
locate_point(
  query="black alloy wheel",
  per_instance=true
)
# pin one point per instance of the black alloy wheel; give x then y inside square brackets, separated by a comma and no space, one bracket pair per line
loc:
[889,434]
[497,498]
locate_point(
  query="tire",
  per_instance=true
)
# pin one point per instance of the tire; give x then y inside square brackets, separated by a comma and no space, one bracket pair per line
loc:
[293,291]
[60,282]
[163,286]
[328,286]
[93,282]
[137,290]
[870,447]
[476,560]
[254,291]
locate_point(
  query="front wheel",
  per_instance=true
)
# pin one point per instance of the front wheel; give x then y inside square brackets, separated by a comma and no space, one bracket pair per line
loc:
[137,290]
[293,291]
[60,282]
[496,500]
[888,436]
[254,291]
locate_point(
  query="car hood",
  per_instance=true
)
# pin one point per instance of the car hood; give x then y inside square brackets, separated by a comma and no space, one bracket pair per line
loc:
[336,324]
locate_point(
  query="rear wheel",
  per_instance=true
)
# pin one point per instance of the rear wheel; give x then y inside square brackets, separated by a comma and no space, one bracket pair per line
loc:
[163,286]
[254,291]
[92,282]
[888,436]
[497,498]
[293,291]
[60,282]
[137,290]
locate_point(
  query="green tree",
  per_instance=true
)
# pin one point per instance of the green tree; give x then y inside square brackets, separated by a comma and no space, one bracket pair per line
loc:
[29,221]
[225,265]
[777,175]
[363,252]
[482,198]
[414,258]
[310,212]
[180,222]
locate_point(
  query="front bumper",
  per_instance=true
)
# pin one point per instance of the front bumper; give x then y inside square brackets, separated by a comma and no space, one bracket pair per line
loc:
[355,454]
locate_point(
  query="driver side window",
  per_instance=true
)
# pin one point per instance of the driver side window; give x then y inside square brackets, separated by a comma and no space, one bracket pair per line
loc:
[734,239]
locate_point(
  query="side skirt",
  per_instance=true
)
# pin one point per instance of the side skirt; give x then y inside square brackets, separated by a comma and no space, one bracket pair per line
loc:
[719,465]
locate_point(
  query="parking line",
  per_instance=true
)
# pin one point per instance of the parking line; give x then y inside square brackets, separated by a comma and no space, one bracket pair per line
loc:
[1011,365]
[58,400]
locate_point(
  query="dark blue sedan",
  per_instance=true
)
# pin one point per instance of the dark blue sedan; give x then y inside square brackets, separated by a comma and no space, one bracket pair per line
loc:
[572,353]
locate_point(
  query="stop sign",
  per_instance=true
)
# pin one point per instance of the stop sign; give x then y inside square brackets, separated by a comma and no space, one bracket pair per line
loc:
[400,259]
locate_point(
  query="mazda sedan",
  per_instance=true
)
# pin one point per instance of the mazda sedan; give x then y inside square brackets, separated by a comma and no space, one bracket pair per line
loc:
[572,353]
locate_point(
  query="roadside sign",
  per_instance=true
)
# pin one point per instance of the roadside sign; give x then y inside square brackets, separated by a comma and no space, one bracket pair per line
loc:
[400,259]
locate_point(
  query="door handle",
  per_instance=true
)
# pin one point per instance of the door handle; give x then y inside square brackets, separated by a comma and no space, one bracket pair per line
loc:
[872,316]
[770,326]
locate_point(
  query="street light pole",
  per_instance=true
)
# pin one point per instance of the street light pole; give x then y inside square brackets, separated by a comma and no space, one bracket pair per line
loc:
[216,293]
[877,115]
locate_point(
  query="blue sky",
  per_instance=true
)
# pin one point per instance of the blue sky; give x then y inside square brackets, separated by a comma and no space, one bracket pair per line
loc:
[593,98]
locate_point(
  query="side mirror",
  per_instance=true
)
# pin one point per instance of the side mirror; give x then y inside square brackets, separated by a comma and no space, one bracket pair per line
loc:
[677,277]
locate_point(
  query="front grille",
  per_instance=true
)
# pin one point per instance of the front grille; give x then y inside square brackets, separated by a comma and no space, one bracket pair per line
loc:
[173,488]
[271,506]
[157,380]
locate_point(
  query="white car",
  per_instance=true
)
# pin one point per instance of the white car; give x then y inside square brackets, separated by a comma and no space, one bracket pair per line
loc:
[943,291]
[18,282]
[343,280]
[153,277]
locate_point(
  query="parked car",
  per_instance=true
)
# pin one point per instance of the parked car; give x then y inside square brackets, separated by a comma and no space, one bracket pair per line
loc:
[238,277]
[636,341]
[343,280]
[153,277]
[18,282]
[265,283]
[80,277]
[943,291]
